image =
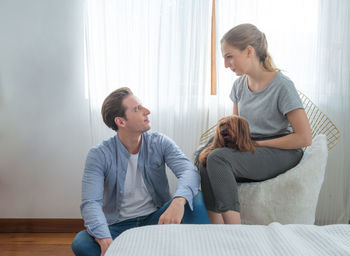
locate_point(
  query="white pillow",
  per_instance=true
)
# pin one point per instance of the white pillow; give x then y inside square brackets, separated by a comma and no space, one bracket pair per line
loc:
[290,198]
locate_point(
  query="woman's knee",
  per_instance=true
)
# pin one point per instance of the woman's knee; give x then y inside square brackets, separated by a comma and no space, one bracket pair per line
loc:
[216,154]
[221,155]
[221,160]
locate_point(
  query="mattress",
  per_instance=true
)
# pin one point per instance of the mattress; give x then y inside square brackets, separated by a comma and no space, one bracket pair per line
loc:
[202,240]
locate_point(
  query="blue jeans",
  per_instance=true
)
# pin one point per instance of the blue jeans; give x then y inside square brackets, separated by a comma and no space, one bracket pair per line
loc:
[85,244]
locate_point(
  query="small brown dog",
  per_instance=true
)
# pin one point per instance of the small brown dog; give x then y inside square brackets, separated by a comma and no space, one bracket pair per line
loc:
[231,132]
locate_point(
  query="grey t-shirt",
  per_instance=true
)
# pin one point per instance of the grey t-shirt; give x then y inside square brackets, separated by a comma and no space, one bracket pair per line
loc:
[266,110]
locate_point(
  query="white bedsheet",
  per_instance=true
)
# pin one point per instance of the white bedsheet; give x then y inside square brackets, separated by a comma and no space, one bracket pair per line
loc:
[202,240]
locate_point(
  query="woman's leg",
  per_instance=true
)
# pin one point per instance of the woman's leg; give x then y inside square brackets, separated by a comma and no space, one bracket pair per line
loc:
[222,182]
[225,166]
[208,197]
[215,218]
[231,217]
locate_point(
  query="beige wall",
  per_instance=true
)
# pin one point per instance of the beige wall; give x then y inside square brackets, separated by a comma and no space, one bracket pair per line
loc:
[44,117]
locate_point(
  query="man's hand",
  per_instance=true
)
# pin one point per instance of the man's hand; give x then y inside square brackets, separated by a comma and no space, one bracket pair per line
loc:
[104,244]
[174,213]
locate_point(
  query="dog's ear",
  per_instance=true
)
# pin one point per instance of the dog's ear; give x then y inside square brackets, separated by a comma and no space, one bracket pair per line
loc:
[241,131]
[243,135]
[197,162]
[218,140]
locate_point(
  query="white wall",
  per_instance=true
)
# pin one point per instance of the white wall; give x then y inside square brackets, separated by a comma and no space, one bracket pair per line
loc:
[44,117]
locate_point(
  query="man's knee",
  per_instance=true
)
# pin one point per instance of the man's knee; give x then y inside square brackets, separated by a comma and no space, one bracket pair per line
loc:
[78,243]
[84,244]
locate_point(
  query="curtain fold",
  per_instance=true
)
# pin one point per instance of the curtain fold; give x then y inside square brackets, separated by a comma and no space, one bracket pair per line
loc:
[331,91]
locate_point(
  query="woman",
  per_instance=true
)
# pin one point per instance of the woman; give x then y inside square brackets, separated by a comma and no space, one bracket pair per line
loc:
[279,127]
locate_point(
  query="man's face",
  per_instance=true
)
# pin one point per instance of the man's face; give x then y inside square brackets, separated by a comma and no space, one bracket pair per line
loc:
[136,115]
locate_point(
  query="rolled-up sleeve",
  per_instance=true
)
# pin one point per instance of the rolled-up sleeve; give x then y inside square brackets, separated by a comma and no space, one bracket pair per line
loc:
[184,170]
[92,195]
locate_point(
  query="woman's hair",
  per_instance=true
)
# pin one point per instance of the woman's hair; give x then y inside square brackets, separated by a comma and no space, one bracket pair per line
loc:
[237,129]
[113,107]
[247,34]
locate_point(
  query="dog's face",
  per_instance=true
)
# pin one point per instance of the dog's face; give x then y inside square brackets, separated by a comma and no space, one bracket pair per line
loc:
[227,135]
[231,132]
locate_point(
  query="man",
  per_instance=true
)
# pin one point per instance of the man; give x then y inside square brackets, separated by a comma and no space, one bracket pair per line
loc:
[125,183]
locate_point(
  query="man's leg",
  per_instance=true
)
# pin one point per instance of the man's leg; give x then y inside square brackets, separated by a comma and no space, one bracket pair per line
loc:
[85,244]
[197,216]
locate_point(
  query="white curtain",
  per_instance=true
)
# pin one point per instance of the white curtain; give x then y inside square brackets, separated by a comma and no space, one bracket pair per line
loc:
[309,42]
[161,50]
[332,93]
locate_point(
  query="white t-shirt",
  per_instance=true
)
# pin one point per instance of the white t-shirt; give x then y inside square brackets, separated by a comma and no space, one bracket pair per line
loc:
[136,200]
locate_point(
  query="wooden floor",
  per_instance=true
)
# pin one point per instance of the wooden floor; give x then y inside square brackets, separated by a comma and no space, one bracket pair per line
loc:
[38,244]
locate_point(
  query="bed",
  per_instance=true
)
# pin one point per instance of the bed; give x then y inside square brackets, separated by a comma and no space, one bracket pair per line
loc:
[202,240]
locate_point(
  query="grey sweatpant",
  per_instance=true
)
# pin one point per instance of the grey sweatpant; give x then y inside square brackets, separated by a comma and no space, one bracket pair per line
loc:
[226,166]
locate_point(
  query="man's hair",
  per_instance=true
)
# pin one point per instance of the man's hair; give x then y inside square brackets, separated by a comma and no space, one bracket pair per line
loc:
[113,107]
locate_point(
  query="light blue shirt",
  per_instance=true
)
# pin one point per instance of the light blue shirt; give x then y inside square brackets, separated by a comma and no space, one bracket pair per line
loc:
[105,173]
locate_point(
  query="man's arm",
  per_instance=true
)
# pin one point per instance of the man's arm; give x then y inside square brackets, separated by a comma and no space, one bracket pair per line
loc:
[92,195]
[174,213]
[188,181]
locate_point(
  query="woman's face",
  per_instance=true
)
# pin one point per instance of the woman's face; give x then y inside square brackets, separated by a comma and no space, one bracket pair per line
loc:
[234,58]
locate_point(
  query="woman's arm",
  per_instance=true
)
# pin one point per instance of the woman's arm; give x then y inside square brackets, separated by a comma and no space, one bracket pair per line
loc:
[235,109]
[301,137]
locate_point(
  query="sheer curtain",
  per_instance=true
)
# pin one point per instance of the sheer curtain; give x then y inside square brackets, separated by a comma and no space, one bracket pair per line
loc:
[332,93]
[309,42]
[161,50]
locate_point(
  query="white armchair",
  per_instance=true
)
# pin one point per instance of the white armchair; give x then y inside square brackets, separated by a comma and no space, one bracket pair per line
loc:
[290,198]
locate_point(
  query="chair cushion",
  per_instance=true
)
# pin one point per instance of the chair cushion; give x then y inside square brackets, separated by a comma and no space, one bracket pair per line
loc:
[290,198]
